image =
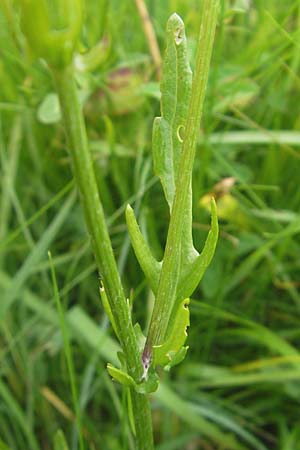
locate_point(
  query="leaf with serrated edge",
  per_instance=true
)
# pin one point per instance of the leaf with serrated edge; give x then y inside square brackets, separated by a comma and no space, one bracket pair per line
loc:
[162,354]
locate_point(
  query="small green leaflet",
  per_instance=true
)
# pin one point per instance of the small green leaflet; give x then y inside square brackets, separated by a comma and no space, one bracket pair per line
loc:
[171,352]
[146,386]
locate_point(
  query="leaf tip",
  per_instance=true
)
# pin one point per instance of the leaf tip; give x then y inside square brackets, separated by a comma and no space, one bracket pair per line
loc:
[176,26]
[214,213]
[175,20]
[213,204]
[128,211]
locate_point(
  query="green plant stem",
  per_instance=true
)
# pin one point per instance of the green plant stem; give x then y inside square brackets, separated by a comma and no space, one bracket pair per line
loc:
[101,243]
[166,294]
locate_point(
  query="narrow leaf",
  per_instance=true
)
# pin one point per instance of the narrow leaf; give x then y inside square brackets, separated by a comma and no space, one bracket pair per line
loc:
[193,273]
[120,376]
[168,129]
[150,266]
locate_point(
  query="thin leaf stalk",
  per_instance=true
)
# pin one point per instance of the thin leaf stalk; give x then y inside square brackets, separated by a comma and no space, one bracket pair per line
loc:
[166,294]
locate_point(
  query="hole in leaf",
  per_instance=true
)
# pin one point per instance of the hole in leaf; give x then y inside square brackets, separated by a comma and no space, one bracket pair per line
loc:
[180,133]
[178,35]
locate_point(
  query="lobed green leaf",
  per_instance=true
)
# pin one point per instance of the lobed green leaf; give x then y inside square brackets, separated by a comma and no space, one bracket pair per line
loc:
[167,352]
[176,87]
[192,273]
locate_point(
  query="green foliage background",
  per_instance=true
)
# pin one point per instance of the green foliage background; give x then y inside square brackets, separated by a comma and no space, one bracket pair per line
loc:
[239,385]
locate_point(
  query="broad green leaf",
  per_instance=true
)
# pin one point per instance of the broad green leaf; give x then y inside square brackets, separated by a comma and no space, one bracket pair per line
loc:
[175,94]
[171,286]
[168,130]
[167,352]
[168,135]
[60,441]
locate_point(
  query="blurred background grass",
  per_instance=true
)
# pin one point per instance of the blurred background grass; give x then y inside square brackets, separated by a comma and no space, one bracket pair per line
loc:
[239,386]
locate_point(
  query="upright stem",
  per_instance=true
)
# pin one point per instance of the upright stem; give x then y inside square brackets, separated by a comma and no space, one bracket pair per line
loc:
[97,228]
[166,294]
